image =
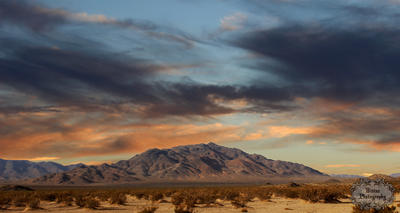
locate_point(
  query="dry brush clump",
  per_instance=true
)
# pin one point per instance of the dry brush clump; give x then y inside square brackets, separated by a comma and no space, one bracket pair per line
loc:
[156,196]
[33,203]
[184,202]
[206,198]
[242,200]
[151,209]
[21,200]
[317,194]
[314,193]
[283,191]
[65,198]
[5,202]
[118,198]
[263,194]
[48,196]
[86,201]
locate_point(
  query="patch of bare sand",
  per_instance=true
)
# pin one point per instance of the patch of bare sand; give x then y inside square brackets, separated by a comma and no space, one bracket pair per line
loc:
[276,205]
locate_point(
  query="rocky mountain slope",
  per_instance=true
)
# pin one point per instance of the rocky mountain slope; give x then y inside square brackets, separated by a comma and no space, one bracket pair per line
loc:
[201,162]
[15,170]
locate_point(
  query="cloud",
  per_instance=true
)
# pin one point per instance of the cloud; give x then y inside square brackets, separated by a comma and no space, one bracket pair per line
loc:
[42,19]
[84,17]
[79,134]
[44,159]
[22,13]
[283,131]
[233,22]
[353,64]
[342,166]
[339,70]
[83,74]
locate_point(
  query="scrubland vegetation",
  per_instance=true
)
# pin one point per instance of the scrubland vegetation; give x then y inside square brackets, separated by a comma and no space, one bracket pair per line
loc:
[184,200]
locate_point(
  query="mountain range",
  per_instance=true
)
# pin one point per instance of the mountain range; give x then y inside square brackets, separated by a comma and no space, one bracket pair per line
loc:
[346,176]
[201,162]
[15,170]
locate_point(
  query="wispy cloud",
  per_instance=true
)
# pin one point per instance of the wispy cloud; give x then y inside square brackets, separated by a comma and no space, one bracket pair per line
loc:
[342,165]
[40,18]
[233,22]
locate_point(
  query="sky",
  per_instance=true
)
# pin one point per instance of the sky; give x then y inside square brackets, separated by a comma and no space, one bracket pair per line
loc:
[97,81]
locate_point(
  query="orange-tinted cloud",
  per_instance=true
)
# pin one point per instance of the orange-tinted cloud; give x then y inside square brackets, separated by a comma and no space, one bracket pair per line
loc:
[283,131]
[32,137]
[309,142]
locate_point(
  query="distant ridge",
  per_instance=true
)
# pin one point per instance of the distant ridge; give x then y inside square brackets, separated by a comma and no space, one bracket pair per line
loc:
[395,175]
[200,162]
[381,176]
[15,170]
[346,176]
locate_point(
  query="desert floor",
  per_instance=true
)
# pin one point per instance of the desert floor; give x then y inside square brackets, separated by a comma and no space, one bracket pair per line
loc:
[276,205]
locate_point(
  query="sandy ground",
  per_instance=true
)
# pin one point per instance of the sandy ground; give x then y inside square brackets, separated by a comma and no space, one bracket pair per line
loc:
[276,205]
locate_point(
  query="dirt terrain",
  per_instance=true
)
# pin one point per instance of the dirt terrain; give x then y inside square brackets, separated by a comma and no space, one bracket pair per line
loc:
[276,205]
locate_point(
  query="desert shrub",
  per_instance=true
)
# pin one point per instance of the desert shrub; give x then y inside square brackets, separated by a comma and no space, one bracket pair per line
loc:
[183,209]
[20,200]
[206,198]
[104,195]
[317,194]
[187,199]
[392,209]
[313,194]
[238,203]
[65,198]
[5,202]
[310,194]
[332,196]
[118,198]
[230,195]
[49,196]
[169,193]
[190,201]
[287,192]
[146,195]
[263,194]
[33,203]
[184,202]
[91,203]
[241,200]
[80,201]
[149,209]
[87,202]
[156,196]
[139,195]
[177,198]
